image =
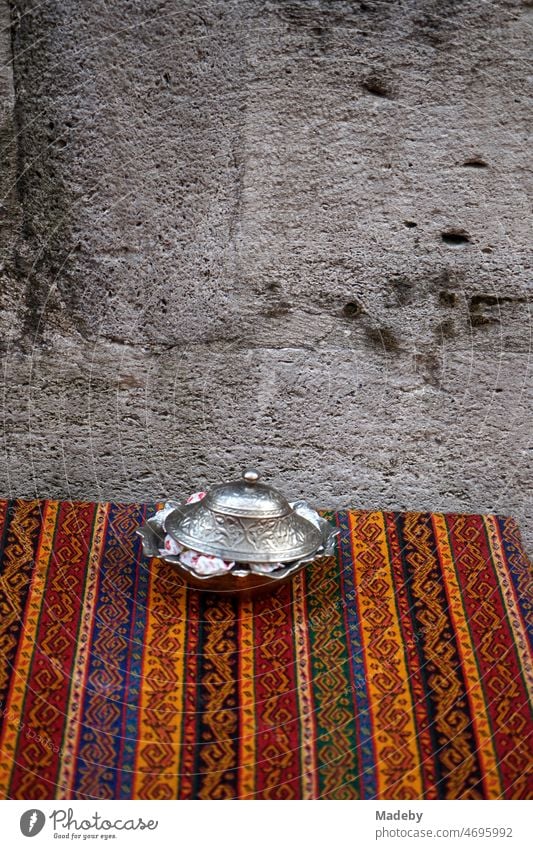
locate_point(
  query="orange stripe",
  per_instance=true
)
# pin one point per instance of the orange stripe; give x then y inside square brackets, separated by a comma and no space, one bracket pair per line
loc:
[305,695]
[511,605]
[398,764]
[474,687]
[73,712]
[158,756]
[247,753]
[22,665]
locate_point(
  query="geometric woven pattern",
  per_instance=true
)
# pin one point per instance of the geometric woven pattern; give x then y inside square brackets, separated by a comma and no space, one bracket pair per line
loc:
[399,669]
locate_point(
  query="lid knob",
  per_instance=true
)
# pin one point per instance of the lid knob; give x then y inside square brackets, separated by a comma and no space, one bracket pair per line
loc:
[250,476]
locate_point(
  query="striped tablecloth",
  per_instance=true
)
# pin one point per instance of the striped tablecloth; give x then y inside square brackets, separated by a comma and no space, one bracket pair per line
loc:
[399,670]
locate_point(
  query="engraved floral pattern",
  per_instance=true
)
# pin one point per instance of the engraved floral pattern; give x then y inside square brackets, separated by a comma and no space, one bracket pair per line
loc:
[284,535]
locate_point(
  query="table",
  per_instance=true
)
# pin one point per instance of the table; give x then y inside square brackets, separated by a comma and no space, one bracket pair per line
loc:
[400,669]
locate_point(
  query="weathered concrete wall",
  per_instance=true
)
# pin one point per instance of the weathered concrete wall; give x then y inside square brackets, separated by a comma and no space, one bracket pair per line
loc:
[292,234]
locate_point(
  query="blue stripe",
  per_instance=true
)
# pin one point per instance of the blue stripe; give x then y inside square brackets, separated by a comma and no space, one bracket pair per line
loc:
[121,554]
[514,555]
[133,695]
[366,754]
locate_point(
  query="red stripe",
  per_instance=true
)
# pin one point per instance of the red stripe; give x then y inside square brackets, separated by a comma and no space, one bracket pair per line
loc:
[494,642]
[277,742]
[3,516]
[43,718]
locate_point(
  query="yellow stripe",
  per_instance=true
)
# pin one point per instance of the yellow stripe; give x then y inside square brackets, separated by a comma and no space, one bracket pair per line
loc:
[486,752]
[18,561]
[81,659]
[305,696]
[15,702]
[158,756]
[515,620]
[247,746]
[398,763]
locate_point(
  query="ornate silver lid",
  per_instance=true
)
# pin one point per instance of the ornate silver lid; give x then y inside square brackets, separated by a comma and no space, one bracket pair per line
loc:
[245,521]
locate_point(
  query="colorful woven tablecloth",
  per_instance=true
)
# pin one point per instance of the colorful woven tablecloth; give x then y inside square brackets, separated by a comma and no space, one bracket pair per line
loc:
[398,670]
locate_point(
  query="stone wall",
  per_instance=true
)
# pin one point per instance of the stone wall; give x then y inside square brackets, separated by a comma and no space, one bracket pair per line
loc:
[287,234]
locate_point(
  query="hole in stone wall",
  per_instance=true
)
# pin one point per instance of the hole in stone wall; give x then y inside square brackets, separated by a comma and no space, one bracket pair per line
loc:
[475,162]
[376,85]
[479,320]
[455,237]
[278,310]
[489,300]
[447,299]
[352,309]
[403,289]
[410,224]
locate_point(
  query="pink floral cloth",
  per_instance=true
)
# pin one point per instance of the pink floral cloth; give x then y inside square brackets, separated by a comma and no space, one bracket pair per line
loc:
[203,564]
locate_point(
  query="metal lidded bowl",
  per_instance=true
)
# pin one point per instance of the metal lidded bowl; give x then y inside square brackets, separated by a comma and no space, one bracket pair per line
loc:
[246,522]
